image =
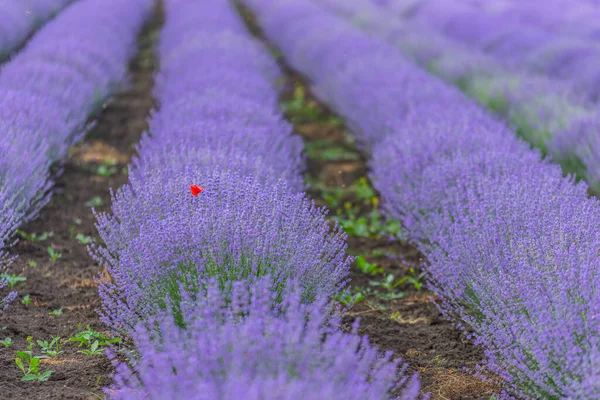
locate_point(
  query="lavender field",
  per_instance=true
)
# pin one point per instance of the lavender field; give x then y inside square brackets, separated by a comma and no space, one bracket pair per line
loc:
[299,199]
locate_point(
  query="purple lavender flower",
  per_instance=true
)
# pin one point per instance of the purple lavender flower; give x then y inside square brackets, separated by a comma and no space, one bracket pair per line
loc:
[255,346]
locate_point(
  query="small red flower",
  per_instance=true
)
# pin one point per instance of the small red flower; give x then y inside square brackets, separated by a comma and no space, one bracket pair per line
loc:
[196,190]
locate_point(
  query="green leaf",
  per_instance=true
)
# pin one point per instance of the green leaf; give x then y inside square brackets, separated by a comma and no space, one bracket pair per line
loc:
[44,377]
[110,341]
[94,202]
[34,363]
[83,239]
[361,262]
[29,377]
[19,363]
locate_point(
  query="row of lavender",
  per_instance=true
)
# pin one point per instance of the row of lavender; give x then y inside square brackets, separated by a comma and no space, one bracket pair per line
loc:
[227,290]
[568,18]
[578,19]
[499,30]
[19,18]
[512,245]
[47,93]
[550,115]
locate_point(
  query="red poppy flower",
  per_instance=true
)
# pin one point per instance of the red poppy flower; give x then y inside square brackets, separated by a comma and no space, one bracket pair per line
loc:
[196,190]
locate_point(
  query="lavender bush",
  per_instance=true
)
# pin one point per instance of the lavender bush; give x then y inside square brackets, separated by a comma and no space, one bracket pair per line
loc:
[255,346]
[251,219]
[512,244]
[18,19]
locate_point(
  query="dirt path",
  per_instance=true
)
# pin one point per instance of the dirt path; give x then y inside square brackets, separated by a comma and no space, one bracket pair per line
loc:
[68,283]
[398,317]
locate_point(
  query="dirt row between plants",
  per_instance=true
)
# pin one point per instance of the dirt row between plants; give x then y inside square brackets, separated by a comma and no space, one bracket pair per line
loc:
[395,312]
[60,296]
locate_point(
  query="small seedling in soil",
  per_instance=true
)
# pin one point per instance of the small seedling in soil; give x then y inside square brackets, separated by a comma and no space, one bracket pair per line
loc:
[364,190]
[299,110]
[346,298]
[333,196]
[33,237]
[438,360]
[94,340]
[361,216]
[327,150]
[54,255]
[29,364]
[107,168]
[367,267]
[413,278]
[57,313]
[389,283]
[32,263]
[94,202]
[7,342]
[370,225]
[81,238]
[12,280]
[94,349]
[26,300]
[51,348]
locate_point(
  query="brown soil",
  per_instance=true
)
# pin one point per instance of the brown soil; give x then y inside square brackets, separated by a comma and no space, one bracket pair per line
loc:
[411,326]
[69,283]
